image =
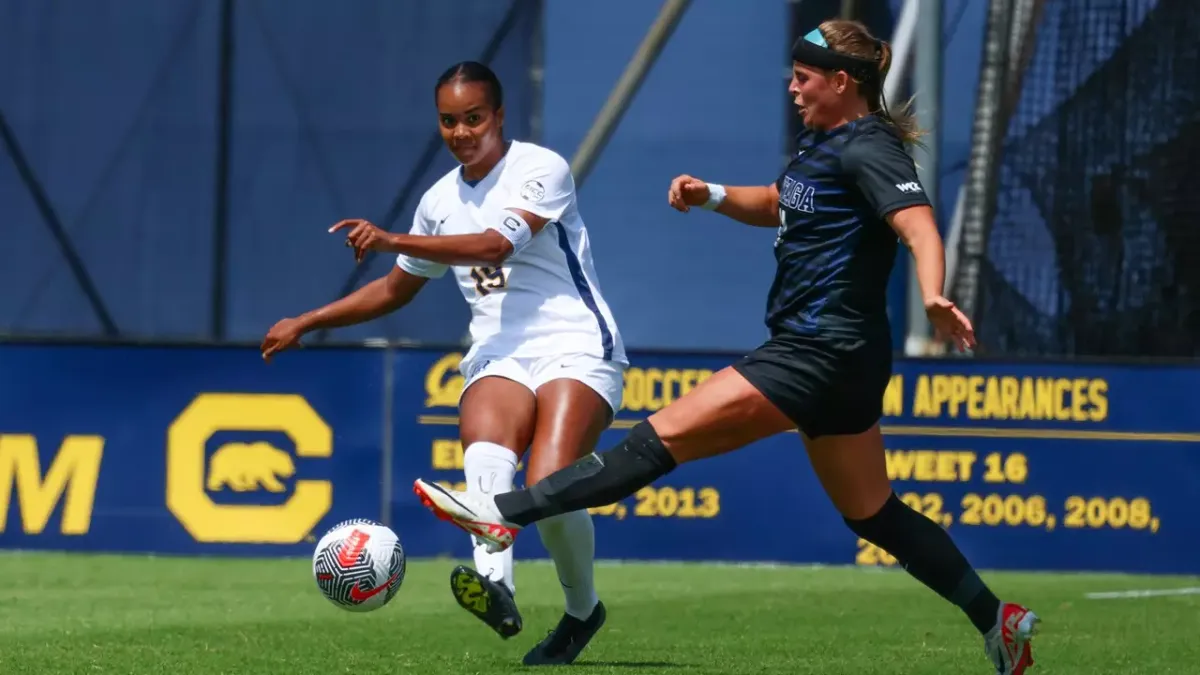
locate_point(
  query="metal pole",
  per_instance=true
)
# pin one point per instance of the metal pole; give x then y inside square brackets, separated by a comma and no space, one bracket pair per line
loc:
[220,233]
[849,10]
[50,217]
[903,38]
[622,94]
[986,132]
[537,74]
[927,79]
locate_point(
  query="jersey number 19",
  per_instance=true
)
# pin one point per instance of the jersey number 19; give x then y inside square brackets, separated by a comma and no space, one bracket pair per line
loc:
[488,279]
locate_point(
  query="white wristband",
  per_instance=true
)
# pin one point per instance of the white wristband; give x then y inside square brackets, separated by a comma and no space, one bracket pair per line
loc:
[513,228]
[716,195]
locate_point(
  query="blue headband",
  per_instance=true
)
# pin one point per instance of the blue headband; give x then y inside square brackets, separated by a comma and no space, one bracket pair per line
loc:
[813,50]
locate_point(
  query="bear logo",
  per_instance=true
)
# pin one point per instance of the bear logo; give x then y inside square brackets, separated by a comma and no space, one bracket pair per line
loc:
[246,467]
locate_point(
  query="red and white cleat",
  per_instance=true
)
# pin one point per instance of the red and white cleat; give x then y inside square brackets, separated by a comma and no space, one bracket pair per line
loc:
[476,514]
[1007,644]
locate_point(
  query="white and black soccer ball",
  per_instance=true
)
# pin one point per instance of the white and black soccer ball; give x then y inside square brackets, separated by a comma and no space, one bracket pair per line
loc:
[359,565]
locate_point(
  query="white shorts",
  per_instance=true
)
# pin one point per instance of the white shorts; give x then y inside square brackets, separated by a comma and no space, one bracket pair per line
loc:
[606,378]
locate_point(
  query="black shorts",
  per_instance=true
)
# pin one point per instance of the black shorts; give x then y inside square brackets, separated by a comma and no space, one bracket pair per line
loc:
[826,386]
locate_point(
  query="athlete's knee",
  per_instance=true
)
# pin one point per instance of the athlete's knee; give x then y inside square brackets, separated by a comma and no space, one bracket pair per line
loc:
[664,429]
[861,501]
[549,457]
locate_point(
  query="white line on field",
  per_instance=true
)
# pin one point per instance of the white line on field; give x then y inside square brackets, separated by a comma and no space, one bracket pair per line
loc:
[1148,593]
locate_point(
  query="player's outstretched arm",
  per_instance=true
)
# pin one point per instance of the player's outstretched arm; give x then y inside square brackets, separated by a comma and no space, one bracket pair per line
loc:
[512,228]
[756,205]
[917,229]
[382,296]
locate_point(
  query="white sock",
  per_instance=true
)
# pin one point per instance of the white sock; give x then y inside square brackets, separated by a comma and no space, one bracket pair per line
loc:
[489,470]
[571,540]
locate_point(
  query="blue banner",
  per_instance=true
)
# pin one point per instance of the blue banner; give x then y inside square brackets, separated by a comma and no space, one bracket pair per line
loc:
[186,450]
[210,451]
[1029,466]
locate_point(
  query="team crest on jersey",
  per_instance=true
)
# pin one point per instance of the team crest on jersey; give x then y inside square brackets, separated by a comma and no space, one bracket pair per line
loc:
[532,191]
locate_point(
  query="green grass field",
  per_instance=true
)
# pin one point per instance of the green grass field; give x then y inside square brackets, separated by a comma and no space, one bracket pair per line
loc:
[115,614]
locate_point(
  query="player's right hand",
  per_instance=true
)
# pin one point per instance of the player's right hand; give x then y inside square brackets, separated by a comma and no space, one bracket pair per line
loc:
[284,335]
[687,192]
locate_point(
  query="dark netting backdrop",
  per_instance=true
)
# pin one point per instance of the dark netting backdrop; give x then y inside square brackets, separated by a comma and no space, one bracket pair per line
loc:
[1093,248]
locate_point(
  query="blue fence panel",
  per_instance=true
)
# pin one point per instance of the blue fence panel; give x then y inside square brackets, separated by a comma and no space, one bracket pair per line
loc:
[1030,466]
[114,104]
[185,450]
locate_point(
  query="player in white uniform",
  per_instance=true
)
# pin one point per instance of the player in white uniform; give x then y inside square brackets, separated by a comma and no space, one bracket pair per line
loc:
[546,364]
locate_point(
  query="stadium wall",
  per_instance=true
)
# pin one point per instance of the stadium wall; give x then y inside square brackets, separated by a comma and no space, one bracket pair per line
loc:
[317,134]
[129,162]
[206,450]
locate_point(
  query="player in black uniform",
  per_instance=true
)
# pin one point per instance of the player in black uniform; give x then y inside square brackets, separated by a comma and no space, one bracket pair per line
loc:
[846,197]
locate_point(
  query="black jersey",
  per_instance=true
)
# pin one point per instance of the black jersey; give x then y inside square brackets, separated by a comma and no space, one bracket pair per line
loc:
[834,248]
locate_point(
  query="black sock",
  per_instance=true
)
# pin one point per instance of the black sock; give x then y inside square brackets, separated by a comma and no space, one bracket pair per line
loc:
[928,553]
[596,480]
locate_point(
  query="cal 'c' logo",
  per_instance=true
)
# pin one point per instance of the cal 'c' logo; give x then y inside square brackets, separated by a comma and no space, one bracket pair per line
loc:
[443,382]
[246,467]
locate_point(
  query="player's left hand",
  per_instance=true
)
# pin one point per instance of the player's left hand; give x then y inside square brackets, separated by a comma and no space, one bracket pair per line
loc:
[363,237]
[949,323]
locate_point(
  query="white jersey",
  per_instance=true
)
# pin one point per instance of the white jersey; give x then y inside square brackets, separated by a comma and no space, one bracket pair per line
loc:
[545,299]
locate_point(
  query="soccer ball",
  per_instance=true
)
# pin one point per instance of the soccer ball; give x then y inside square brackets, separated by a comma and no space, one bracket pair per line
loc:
[359,565]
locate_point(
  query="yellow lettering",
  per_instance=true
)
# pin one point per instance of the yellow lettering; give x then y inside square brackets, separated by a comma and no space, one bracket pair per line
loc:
[443,383]
[1062,412]
[1028,405]
[926,466]
[947,467]
[931,466]
[687,380]
[893,397]
[923,404]
[958,395]
[670,384]
[447,454]
[1098,395]
[631,398]
[976,397]
[654,378]
[71,478]
[941,393]
[899,465]
[1079,399]
[1045,399]
[1005,397]
[1010,398]
[651,389]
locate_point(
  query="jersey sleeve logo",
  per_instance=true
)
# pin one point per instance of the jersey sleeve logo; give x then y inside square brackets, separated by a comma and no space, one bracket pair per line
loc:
[532,191]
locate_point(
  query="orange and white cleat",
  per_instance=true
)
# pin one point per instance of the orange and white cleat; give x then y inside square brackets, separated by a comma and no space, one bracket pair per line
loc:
[475,514]
[1007,644]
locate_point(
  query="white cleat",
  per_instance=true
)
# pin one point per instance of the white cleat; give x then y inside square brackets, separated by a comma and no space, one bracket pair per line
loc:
[475,514]
[1007,644]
